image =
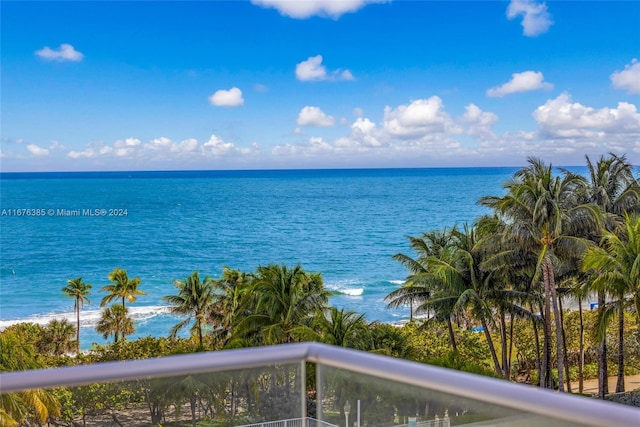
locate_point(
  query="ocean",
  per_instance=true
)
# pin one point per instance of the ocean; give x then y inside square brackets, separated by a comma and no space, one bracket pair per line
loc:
[163,226]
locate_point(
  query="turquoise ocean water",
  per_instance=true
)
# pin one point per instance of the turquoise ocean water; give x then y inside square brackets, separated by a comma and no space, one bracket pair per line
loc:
[345,224]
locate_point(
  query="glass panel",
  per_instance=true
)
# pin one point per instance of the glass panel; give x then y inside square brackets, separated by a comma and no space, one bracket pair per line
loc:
[231,398]
[378,402]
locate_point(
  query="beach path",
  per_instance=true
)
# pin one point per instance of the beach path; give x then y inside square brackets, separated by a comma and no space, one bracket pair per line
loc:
[631,382]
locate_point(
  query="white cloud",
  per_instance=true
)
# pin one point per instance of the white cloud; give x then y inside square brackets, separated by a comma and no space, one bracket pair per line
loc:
[217,147]
[363,125]
[474,115]
[301,9]
[629,78]
[418,118]
[314,116]
[123,152]
[479,123]
[521,82]
[416,134]
[94,150]
[126,147]
[364,133]
[163,150]
[65,52]
[227,98]
[186,146]
[127,143]
[259,87]
[346,75]
[313,70]
[560,118]
[319,145]
[163,145]
[56,145]
[37,151]
[422,133]
[80,154]
[535,18]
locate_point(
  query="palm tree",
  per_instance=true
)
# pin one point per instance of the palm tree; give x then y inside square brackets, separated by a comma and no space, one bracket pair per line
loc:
[421,288]
[578,287]
[114,321]
[390,341]
[121,287]
[415,291]
[617,266]
[284,299]
[512,269]
[429,295]
[15,408]
[339,327]
[58,337]
[18,407]
[613,188]
[78,290]
[467,285]
[544,216]
[194,300]
[230,292]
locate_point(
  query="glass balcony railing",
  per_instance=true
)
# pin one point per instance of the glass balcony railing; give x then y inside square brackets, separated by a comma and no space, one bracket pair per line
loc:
[302,385]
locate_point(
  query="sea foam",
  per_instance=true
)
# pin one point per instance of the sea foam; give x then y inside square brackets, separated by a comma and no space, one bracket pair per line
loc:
[89,318]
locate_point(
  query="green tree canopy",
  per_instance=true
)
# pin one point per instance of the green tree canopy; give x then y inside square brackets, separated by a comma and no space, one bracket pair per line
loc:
[115,321]
[121,287]
[194,300]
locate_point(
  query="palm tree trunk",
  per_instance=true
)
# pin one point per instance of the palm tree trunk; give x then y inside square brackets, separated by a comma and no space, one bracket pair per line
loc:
[77,328]
[536,337]
[548,377]
[199,326]
[503,344]
[603,376]
[492,348]
[581,363]
[192,405]
[556,316]
[564,347]
[510,344]
[620,383]
[452,337]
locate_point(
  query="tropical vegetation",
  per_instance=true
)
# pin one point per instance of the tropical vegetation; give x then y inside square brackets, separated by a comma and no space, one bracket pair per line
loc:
[488,298]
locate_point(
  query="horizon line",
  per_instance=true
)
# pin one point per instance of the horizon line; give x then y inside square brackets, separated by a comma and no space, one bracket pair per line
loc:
[276,169]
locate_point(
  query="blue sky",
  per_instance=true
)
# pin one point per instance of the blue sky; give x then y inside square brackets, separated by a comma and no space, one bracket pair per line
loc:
[270,84]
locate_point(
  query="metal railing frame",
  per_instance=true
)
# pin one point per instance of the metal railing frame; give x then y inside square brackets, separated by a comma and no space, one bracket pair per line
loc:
[574,409]
[292,422]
